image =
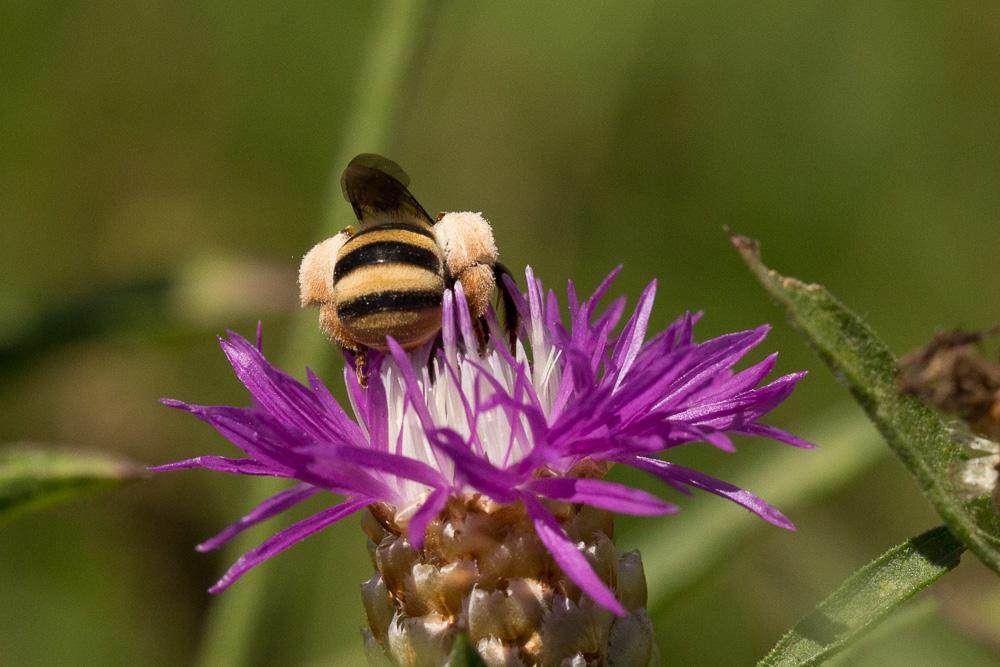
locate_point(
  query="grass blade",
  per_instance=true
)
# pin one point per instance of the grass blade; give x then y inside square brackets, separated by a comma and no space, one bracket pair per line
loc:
[867,597]
[35,477]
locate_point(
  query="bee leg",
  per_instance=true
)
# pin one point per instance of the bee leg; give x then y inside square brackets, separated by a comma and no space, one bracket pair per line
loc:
[481,327]
[331,324]
[360,367]
[511,316]
[436,348]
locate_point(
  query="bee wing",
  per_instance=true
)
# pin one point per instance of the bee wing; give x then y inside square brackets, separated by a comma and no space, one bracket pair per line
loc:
[374,184]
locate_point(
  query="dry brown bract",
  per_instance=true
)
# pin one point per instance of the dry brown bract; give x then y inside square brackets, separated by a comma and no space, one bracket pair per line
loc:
[953,374]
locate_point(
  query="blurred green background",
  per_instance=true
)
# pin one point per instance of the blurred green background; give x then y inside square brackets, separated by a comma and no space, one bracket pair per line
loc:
[163,167]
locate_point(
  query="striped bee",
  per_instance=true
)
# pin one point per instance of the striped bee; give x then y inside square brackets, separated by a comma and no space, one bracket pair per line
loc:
[387,278]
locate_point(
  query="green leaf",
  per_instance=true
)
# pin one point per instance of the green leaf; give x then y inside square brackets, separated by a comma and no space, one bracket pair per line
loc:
[867,597]
[677,553]
[915,433]
[464,655]
[33,477]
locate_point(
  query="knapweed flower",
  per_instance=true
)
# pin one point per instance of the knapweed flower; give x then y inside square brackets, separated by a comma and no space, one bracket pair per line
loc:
[481,470]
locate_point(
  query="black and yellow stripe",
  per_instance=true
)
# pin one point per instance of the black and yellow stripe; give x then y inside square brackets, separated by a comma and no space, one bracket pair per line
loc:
[386,252]
[391,301]
[389,280]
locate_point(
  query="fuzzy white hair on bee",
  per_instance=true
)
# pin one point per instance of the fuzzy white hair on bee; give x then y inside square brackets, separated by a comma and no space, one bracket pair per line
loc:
[388,277]
[470,252]
[316,270]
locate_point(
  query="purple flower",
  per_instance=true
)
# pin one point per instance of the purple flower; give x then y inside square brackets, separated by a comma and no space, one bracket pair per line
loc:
[538,424]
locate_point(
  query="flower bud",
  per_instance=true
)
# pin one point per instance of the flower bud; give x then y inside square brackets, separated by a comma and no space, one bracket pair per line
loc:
[483,572]
[424,641]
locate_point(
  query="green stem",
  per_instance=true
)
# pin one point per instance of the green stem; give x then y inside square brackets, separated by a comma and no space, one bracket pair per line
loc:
[235,622]
[914,432]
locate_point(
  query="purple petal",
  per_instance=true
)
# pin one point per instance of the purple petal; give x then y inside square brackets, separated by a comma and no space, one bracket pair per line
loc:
[673,472]
[464,318]
[273,506]
[265,439]
[714,356]
[766,431]
[532,409]
[553,318]
[448,338]
[224,464]
[719,440]
[571,299]
[649,381]
[744,380]
[286,538]
[612,314]
[387,462]
[630,340]
[534,294]
[276,392]
[418,522]
[568,557]
[609,446]
[377,415]
[479,473]
[520,371]
[744,407]
[600,493]
[413,393]
[601,290]
[515,293]
[347,428]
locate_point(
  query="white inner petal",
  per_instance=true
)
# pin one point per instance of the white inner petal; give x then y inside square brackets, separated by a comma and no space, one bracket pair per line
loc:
[502,436]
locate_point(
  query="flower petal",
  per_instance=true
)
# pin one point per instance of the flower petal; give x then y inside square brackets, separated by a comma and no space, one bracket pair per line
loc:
[346,428]
[225,464]
[273,506]
[675,473]
[286,538]
[276,392]
[765,431]
[387,462]
[631,337]
[414,395]
[417,526]
[267,440]
[601,290]
[600,493]
[568,557]
[742,408]
[478,472]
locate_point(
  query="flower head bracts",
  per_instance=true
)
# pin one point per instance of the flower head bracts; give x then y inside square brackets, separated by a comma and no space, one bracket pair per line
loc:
[543,421]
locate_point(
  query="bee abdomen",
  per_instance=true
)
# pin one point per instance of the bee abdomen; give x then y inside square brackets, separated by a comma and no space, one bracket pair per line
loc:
[386,252]
[389,301]
[411,317]
[389,281]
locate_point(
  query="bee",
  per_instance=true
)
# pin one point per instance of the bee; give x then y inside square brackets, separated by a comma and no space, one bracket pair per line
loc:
[388,276]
